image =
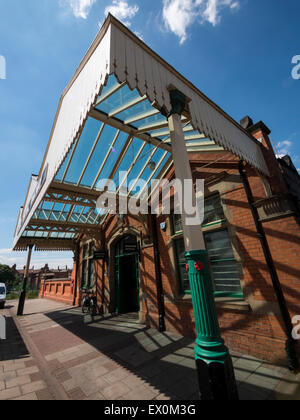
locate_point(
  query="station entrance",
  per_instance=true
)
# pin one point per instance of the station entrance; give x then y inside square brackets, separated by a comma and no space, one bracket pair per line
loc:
[127,275]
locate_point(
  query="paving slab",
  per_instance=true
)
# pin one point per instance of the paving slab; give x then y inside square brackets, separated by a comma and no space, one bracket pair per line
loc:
[114,358]
[20,380]
[10,393]
[28,397]
[288,388]
[20,374]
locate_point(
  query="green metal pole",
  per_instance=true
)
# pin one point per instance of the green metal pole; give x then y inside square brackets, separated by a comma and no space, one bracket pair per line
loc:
[214,365]
[209,344]
[213,361]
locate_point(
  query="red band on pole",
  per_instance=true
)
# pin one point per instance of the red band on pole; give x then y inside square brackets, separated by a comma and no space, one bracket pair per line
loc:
[199,266]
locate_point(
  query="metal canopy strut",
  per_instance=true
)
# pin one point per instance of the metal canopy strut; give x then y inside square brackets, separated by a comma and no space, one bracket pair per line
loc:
[68,204]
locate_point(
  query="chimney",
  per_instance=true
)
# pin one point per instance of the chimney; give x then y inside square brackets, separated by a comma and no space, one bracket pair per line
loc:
[246,122]
[261,133]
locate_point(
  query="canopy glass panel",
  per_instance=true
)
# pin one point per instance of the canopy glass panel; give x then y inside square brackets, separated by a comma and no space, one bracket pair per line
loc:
[126,137]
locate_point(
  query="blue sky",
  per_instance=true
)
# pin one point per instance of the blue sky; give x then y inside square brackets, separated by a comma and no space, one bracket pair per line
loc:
[238,52]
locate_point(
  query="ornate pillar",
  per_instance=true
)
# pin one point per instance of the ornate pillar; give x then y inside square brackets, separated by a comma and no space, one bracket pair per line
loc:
[214,364]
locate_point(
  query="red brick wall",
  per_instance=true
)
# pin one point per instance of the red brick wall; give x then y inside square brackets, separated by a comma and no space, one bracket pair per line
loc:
[254,329]
[58,290]
[284,241]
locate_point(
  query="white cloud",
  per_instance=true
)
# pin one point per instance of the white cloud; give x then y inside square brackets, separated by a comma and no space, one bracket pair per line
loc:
[179,15]
[5,251]
[213,7]
[122,11]
[80,8]
[139,35]
[284,148]
[54,260]
[235,5]
[288,147]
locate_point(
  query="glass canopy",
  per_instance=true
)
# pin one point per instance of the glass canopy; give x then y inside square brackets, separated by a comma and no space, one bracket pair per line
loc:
[125,138]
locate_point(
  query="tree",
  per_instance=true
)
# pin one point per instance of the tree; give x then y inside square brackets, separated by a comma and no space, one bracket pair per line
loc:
[7,276]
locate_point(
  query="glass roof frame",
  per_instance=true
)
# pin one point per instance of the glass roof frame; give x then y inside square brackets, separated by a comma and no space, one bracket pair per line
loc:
[103,134]
[71,162]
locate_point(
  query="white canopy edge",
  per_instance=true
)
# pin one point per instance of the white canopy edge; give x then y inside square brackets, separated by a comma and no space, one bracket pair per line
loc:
[75,103]
[116,50]
[146,71]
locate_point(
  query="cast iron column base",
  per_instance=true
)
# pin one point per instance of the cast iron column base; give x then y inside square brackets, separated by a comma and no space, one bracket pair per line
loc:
[214,365]
[217,381]
[21,303]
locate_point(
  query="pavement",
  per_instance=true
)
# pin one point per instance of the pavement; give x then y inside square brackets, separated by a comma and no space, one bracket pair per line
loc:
[54,352]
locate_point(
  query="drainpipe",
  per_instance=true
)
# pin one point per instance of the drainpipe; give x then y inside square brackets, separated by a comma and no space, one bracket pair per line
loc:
[77,253]
[160,294]
[293,362]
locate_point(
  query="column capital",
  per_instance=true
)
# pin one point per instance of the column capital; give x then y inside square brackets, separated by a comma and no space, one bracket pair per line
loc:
[178,102]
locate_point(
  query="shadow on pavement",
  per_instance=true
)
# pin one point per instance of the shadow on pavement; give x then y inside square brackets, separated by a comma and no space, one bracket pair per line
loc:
[13,348]
[164,360]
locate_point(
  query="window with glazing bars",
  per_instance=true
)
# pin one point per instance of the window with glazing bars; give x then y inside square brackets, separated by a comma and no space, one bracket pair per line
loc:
[224,269]
[88,269]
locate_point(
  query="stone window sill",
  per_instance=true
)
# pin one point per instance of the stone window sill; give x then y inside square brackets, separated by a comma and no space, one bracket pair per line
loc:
[232,303]
[221,302]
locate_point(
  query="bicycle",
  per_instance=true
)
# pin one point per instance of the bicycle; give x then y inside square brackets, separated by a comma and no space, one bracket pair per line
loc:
[89,304]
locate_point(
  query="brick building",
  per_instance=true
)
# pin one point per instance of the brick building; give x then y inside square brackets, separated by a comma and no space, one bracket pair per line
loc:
[120,121]
[247,306]
[35,276]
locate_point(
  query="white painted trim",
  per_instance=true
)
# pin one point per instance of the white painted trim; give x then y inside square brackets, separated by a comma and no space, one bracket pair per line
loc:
[117,50]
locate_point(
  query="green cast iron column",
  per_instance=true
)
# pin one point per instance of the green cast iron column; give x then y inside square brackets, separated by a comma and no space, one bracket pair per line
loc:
[209,344]
[213,361]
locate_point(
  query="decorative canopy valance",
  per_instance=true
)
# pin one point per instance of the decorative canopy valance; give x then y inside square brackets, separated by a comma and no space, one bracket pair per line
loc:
[111,117]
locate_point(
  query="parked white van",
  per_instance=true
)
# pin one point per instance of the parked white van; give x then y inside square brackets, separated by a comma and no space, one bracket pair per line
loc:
[2,295]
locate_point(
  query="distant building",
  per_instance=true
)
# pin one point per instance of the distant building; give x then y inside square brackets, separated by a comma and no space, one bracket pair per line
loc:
[35,275]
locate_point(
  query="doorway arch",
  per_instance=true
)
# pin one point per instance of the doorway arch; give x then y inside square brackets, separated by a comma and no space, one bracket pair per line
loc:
[127,285]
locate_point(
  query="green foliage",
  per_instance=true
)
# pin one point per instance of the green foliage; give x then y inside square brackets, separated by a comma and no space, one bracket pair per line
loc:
[15,294]
[33,294]
[7,276]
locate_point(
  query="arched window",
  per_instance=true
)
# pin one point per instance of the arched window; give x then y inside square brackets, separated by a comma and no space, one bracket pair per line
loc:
[88,269]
